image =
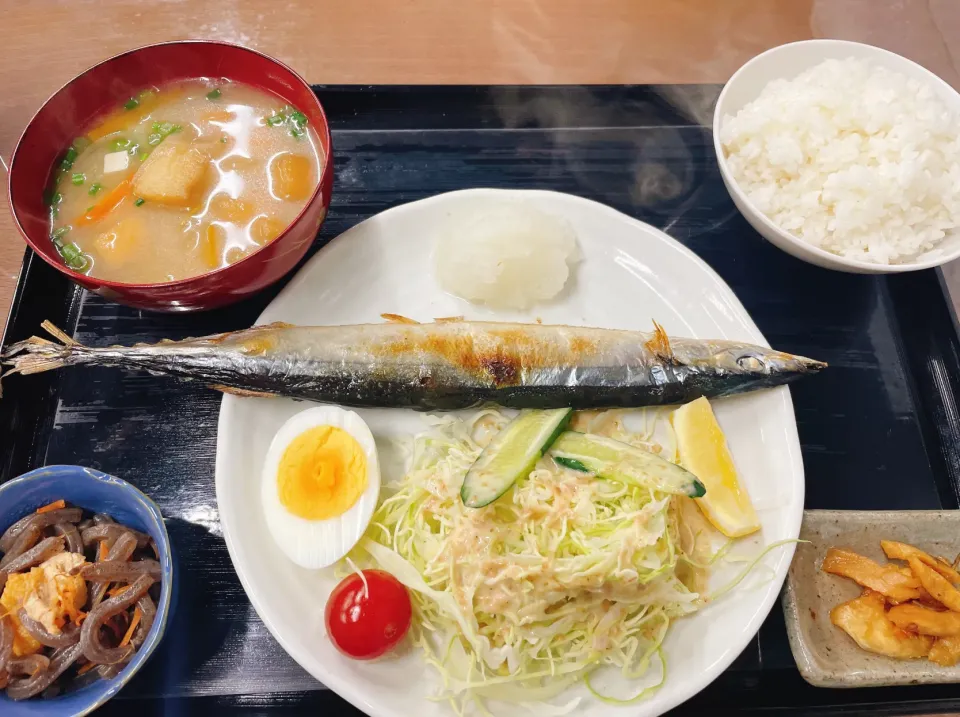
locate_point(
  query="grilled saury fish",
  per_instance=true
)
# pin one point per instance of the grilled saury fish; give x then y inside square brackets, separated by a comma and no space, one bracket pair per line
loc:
[443,365]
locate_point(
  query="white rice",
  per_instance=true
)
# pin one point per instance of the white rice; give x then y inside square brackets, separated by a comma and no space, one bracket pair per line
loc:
[850,157]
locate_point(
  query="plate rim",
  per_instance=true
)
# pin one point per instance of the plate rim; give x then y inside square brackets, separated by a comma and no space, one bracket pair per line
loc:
[348,689]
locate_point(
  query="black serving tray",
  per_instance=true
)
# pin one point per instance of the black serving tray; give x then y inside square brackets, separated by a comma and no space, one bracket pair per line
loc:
[880,429]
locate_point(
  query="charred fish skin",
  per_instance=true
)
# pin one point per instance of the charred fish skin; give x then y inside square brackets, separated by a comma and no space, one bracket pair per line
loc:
[445,365]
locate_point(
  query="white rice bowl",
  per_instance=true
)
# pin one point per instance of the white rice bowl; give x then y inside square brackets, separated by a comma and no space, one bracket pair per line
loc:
[852,158]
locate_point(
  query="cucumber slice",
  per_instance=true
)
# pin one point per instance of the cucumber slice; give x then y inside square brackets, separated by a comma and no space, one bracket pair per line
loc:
[512,454]
[622,462]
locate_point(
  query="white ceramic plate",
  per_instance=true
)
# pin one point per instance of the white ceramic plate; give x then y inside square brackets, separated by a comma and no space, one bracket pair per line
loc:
[630,273]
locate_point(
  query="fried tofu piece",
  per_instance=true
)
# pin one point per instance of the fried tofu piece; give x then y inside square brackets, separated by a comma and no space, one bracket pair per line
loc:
[171,174]
[902,551]
[916,618]
[48,594]
[946,651]
[934,583]
[893,582]
[864,620]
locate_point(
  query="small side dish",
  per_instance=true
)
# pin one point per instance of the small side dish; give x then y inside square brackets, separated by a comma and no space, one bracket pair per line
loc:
[907,611]
[181,180]
[78,601]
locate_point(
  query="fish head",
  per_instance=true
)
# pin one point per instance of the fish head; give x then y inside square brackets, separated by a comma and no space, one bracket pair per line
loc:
[748,359]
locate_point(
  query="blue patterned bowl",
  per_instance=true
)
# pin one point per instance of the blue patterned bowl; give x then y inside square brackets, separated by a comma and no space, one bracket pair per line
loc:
[100,493]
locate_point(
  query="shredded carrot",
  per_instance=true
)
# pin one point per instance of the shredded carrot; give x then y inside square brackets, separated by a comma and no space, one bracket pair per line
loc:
[86,668]
[102,551]
[109,202]
[133,626]
[117,590]
[121,119]
[55,505]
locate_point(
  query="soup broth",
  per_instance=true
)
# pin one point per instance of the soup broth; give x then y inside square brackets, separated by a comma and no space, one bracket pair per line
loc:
[182,180]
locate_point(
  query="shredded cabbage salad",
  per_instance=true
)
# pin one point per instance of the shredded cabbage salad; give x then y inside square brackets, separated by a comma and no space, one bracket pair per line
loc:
[563,574]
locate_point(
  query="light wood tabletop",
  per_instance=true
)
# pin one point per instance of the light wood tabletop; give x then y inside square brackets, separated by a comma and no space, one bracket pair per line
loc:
[43,44]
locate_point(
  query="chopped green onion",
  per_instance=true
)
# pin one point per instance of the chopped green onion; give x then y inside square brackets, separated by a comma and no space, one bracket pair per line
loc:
[119,144]
[59,234]
[162,130]
[67,161]
[139,202]
[56,199]
[73,257]
[144,155]
[89,208]
[78,178]
[131,104]
[214,94]
[275,120]
[223,139]
[134,148]
[94,188]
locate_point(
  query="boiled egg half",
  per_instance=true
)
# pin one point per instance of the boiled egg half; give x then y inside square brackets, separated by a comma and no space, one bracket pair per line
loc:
[320,484]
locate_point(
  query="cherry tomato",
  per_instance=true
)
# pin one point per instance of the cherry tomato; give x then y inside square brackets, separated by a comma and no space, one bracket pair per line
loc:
[366,622]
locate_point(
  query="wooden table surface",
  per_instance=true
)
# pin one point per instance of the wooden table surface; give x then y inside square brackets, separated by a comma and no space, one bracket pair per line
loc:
[45,43]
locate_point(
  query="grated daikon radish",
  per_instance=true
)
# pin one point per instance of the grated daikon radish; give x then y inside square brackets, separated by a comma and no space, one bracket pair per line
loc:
[508,255]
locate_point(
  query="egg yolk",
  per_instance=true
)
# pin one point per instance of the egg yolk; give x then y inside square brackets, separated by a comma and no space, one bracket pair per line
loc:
[322,473]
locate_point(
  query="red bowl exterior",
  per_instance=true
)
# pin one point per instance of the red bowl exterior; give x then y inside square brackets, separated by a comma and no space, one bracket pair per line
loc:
[106,85]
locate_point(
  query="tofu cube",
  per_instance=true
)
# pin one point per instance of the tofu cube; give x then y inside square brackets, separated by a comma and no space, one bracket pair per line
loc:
[171,174]
[115,162]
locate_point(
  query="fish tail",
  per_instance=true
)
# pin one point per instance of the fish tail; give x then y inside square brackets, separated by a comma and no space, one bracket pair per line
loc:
[35,355]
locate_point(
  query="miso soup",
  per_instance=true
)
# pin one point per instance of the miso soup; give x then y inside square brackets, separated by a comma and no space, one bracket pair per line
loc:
[181,180]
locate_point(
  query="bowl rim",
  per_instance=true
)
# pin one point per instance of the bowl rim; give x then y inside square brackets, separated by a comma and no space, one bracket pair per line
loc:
[164,547]
[734,186]
[76,276]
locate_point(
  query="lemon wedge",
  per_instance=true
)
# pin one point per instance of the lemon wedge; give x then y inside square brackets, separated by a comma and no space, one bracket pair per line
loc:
[703,451]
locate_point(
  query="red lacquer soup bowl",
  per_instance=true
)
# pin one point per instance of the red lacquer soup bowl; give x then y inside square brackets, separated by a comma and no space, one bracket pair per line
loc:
[102,88]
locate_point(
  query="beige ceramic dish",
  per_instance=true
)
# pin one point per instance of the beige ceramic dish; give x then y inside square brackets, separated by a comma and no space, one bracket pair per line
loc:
[826,656]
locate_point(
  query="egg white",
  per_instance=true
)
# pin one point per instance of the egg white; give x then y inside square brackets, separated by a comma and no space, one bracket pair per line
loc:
[317,544]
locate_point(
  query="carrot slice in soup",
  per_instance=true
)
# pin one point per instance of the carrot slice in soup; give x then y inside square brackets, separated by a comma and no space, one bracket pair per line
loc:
[109,202]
